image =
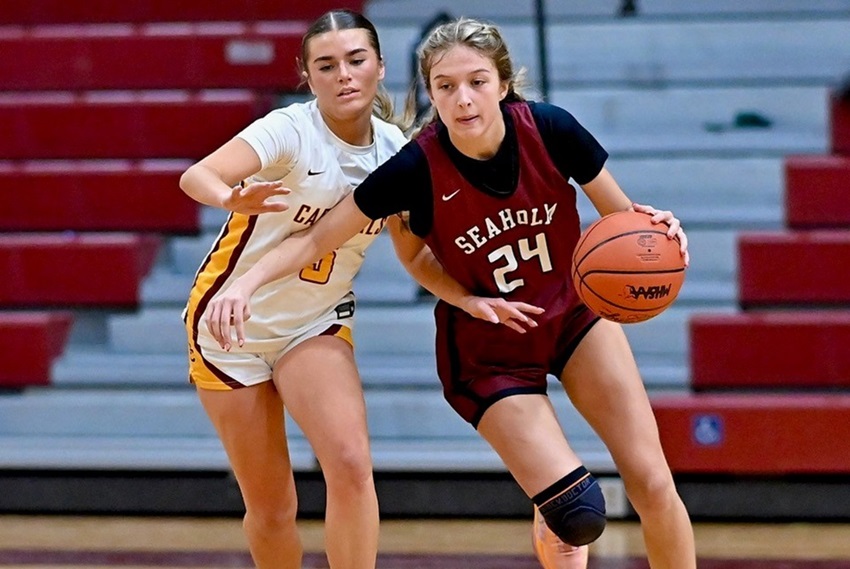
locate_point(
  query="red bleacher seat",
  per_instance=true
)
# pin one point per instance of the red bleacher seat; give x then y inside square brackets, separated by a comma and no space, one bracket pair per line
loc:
[770,350]
[119,124]
[64,12]
[755,434]
[151,56]
[840,123]
[817,189]
[86,270]
[88,195]
[29,342]
[794,268]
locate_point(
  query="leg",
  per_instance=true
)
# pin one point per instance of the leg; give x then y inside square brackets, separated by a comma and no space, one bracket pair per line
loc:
[249,422]
[525,432]
[322,391]
[602,380]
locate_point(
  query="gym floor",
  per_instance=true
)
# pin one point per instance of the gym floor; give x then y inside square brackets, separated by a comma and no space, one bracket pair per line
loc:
[60,542]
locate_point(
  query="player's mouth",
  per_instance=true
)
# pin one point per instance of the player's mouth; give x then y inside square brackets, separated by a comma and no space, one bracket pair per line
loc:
[348,93]
[468,119]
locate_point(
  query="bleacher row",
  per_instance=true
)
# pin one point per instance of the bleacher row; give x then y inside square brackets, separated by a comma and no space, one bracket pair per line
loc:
[103,106]
[105,103]
[777,376]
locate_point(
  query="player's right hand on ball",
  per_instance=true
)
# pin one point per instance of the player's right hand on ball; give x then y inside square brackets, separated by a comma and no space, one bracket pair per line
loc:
[230,308]
[256,198]
[512,314]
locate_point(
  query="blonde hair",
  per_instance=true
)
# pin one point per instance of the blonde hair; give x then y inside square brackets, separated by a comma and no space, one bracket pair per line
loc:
[483,37]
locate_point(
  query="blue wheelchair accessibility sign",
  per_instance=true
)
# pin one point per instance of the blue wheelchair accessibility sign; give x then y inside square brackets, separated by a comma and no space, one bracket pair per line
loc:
[707,430]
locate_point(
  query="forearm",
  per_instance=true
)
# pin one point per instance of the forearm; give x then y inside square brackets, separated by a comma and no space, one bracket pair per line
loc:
[204,185]
[419,261]
[606,195]
[291,255]
[431,274]
[300,249]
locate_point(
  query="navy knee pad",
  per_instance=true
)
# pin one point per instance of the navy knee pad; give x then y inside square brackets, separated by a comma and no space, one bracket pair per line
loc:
[573,507]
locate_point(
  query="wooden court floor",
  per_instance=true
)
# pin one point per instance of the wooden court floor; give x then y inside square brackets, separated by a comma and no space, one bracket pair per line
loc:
[57,542]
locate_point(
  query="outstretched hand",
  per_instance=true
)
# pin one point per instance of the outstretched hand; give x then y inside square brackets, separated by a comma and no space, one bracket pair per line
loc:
[674,230]
[256,198]
[230,308]
[512,314]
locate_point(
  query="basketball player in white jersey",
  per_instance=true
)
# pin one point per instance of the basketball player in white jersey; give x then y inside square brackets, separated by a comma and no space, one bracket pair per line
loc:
[297,349]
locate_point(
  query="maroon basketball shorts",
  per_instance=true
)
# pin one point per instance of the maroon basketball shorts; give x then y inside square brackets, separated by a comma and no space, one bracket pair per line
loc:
[480,363]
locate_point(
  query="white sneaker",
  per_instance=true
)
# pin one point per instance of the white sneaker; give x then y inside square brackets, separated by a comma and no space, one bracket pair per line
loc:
[551,551]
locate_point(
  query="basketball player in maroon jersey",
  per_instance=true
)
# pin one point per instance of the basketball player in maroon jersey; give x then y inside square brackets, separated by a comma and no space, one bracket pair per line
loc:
[489,226]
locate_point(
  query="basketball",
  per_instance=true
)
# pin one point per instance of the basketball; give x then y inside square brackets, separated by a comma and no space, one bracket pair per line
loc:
[625,268]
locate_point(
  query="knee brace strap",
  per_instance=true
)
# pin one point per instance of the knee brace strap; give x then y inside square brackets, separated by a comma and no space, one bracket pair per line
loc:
[573,507]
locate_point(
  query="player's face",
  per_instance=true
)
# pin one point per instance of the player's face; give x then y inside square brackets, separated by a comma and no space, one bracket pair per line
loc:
[343,71]
[466,91]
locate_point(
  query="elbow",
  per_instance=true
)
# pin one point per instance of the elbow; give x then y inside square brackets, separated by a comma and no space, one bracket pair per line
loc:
[186,179]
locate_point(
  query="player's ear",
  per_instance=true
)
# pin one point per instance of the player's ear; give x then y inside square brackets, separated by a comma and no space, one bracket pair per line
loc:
[382,69]
[504,88]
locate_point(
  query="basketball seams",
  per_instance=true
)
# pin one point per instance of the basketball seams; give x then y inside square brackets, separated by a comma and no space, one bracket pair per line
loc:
[577,264]
[615,272]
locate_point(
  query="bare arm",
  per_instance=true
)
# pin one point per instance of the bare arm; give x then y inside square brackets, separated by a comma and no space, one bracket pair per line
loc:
[214,181]
[605,194]
[339,225]
[418,259]
[607,197]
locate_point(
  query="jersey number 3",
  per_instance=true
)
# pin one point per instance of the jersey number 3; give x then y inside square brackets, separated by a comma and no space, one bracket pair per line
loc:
[320,271]
[526,253]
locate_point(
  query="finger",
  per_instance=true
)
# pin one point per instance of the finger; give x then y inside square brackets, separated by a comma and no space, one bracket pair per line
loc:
[267,207]
[514,326]
[213,322]
[239,323]
[224,319]
[275,189]
[525,307]
[513,313]
[675,226]
[490,314]
[683,247]
[640,208]
[662,217]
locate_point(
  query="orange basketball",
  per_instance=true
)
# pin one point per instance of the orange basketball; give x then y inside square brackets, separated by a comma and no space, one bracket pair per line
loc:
[625,268]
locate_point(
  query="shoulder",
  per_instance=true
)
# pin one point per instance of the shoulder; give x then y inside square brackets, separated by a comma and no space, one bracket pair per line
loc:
[387,133]
[301,116]
[552,117]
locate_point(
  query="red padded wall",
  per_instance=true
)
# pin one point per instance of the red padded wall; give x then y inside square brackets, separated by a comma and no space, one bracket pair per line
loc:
[749,434]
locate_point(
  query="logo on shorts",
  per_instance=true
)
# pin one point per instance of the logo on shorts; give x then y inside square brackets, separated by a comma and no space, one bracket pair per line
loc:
[312,173]
[447,197]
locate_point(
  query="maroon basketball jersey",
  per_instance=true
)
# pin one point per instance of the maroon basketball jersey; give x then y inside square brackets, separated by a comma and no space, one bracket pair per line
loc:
[519,246]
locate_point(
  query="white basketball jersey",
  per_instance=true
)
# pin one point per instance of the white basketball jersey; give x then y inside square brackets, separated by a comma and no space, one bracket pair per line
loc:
[294,145]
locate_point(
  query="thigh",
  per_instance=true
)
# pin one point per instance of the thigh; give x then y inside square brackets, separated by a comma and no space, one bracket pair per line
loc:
[249,422]
[321,390]
[526,434]
[603,382]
